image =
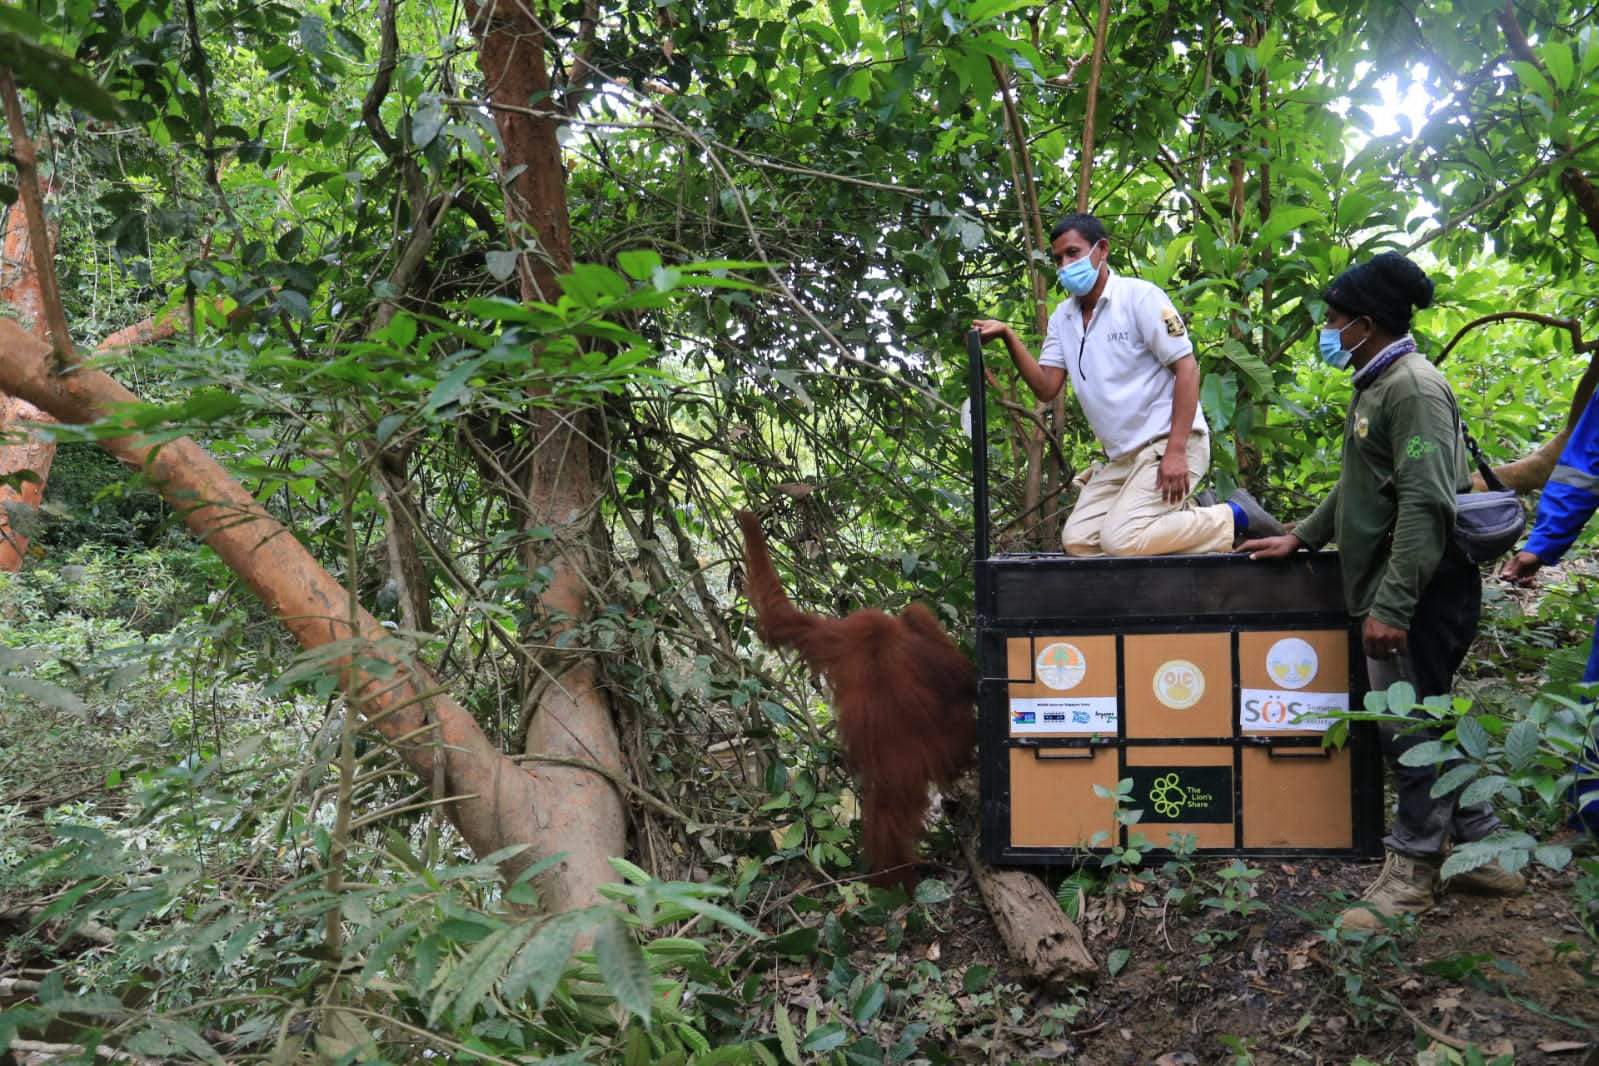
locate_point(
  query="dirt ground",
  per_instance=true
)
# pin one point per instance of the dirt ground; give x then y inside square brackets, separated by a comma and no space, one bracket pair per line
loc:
[1477,981]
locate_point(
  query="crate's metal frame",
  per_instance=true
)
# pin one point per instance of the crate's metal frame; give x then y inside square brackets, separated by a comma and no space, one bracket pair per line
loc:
[1018,595]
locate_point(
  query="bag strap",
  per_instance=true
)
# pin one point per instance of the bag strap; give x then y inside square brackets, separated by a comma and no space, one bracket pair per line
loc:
[1489,478]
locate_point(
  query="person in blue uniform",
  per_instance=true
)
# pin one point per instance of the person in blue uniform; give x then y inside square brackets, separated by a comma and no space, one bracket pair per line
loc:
[1569,500]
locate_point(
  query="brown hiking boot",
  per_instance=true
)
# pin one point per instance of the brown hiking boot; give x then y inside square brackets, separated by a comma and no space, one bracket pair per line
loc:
[1405,886]
[1490,879]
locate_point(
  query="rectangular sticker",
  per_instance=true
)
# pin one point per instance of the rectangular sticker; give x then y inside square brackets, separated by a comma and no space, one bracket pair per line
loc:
[1266,710]
[1058,714]
[1183,794]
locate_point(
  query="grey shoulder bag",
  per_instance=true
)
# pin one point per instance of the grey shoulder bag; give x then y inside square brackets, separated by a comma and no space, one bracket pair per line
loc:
[1487,524]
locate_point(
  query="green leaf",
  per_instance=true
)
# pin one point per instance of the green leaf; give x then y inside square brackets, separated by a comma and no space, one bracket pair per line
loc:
[1454,778]
[787,1038]
[1560,63]
[1521,744]
[1429,753]
[427,121]
[1401,697]
[797,943]
[869,1002]
[475,976]
[1250,365]
[185,1036]
[1219,397]
[1483,789]
[388,425]
[1473,737]
[466,930]
[775,713]
[54,76]
[1116,960]
[314,35]
[639,264]
[542,961]
[378,957]
[718,914]
[623,967]
[593,285]
[501,263]
[1283,221]
[1554,856]
[824,1038]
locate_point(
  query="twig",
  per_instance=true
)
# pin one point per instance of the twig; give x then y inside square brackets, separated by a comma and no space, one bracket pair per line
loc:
[51,1052]
[656,804]
[1437,1034]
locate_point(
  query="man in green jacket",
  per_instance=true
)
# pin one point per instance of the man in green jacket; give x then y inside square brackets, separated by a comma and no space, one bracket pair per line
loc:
[1415,593]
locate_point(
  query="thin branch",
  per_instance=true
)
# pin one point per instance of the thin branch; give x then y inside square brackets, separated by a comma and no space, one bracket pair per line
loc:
[1085,168]
[765,163]
[659,806]
[1570,325]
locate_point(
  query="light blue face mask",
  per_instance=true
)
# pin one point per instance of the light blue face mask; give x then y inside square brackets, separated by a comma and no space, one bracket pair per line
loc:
[1330,345]
[1078,276]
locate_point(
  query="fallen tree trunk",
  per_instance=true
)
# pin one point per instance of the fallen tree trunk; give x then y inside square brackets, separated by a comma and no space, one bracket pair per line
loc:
[492,800]
[1045,943]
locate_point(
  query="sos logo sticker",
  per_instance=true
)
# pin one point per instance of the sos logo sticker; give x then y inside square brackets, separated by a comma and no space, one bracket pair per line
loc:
[1179,684]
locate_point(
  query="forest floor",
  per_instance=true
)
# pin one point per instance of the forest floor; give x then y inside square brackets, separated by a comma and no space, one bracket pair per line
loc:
[1475,981]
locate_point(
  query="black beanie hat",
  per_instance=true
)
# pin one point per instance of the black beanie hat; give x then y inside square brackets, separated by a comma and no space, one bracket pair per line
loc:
[1388,287]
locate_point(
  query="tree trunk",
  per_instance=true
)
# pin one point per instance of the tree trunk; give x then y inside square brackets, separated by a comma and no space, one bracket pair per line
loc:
[559,481]
[19,505]
[19,287]
[491,799]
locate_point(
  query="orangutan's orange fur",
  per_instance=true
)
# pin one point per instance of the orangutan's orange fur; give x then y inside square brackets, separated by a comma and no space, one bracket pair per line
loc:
[903,696]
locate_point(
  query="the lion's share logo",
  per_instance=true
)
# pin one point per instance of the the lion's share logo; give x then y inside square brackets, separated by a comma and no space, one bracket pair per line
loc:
[1194,794]
[1166,795]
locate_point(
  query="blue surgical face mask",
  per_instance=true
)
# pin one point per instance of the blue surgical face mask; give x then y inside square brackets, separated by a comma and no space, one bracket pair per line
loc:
[1330,344]
[1078,276]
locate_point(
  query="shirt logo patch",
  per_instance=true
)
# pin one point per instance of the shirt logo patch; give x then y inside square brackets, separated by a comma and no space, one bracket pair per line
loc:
[1174,323]
[1415,447]
[1362,426]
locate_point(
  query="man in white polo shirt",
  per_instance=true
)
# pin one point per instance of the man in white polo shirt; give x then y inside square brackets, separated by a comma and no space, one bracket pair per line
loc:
[1129,358]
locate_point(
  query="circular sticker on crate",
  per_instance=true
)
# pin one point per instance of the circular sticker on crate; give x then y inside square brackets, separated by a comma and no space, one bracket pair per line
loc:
[1179,684]
[1292,663]
[1061,666]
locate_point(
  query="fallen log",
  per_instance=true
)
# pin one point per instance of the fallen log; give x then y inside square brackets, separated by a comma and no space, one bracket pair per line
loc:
[1041,940]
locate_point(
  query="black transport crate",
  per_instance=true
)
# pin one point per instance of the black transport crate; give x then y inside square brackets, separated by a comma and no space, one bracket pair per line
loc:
[1203,679]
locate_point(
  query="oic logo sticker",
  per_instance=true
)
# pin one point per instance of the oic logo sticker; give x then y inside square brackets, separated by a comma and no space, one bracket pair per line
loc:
[1292,663]
[1179,684]
[1061,666]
